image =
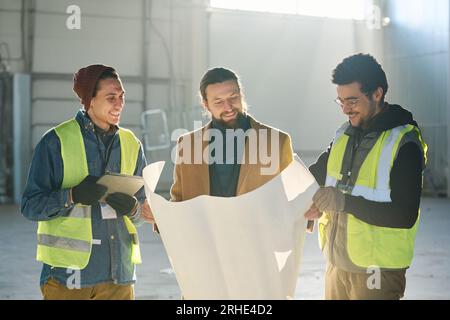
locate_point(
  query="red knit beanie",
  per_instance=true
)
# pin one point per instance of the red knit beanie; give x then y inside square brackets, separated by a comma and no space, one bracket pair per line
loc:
[85,80]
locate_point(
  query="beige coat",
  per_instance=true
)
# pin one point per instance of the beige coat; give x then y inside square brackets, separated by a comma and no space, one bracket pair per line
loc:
[192,180]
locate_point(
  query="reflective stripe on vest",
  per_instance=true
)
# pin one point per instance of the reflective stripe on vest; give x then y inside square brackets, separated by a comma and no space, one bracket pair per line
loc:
[339,144]
[66,242]
[369,245]
[381,191]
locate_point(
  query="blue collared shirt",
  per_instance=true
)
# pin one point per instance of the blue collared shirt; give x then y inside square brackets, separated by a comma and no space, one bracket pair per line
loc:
[43,199]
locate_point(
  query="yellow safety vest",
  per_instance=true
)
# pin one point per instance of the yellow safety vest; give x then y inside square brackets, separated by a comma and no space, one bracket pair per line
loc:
[66,242]
[363,245]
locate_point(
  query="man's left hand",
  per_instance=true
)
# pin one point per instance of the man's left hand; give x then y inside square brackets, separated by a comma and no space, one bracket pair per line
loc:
[122,203]
[329,199]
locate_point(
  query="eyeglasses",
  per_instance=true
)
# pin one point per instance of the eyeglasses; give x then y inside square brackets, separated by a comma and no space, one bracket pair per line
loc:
[351,102]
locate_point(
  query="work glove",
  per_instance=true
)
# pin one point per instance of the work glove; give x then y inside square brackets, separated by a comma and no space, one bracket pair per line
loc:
[122,203]
[329,199]
[88,192]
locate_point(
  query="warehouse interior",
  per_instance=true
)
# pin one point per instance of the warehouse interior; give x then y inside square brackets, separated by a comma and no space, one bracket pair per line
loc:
[284,53]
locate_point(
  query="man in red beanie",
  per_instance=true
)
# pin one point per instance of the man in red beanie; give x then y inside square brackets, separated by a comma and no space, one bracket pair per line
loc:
[87,241]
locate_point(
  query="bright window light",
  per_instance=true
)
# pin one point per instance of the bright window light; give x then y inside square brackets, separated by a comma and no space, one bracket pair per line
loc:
[342,9]
[275,6]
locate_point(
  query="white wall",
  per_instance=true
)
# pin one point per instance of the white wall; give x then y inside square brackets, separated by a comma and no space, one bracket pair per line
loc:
[285,63]
[109,34]
[10,34]
[158,52]
[112,33]
[416,54]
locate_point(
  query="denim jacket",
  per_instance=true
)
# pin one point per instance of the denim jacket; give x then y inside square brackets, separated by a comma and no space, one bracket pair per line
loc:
[43,199]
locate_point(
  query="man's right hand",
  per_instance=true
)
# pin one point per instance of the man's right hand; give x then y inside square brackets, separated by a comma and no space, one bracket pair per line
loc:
[147,213]
[88,192]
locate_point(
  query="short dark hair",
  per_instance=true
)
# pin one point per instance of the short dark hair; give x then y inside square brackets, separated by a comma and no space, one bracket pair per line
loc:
[364,69]
[217,75]
[107,74]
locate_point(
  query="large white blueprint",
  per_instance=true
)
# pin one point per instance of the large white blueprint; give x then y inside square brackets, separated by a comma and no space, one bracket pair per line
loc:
[244,247]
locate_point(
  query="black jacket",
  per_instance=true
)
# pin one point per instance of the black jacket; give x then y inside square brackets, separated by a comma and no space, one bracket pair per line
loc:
[405,177]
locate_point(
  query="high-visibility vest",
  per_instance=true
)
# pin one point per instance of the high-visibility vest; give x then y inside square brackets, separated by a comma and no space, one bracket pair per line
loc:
[360,244]
[66,242]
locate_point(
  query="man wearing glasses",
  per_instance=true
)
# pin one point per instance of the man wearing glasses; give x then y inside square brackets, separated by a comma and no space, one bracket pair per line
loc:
[371,183]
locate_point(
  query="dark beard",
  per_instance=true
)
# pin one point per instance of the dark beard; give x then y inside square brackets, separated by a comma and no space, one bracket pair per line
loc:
[234,124]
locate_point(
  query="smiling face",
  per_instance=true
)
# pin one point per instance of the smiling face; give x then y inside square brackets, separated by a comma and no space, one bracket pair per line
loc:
[224,102]
[107,105]
[359,107]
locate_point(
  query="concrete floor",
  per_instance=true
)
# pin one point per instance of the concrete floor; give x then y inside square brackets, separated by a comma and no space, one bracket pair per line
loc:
[428,277]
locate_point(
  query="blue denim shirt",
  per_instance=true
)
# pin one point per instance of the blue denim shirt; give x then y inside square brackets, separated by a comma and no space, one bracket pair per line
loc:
[43,199]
